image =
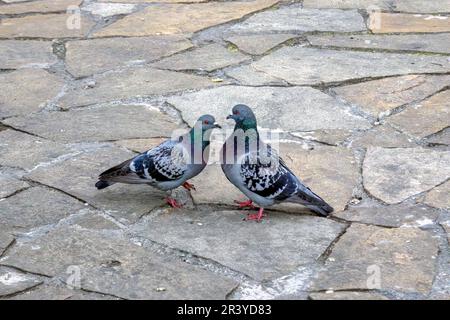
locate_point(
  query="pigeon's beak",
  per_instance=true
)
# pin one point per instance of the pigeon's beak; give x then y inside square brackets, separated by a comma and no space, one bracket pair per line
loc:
[217,126]
[230,117]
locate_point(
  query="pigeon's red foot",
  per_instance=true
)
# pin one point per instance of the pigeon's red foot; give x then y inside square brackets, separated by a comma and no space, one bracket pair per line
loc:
[188,186]
[173,203]
[256,216]
[245,204]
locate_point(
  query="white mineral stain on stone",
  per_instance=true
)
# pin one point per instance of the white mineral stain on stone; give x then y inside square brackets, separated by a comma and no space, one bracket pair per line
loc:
[109,9]
[10,278]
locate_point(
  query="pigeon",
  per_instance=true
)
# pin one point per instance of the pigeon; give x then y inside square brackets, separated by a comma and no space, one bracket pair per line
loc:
[255,168]
[168,165]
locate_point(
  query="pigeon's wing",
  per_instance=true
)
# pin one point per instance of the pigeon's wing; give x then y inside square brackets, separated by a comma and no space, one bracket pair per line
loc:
[166,162]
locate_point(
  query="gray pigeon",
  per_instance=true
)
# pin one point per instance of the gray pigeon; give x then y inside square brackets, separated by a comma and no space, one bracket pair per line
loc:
[168,165]
[257,170]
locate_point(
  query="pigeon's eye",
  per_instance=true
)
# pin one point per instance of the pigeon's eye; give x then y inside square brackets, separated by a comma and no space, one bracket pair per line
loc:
[235,112]
[205,122]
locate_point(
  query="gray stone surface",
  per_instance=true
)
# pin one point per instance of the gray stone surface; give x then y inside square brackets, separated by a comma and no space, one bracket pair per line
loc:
[109,9]
[246,75]
[16,54]
[404,259]
[393,175]
[258,43]
[438,43]
[207,58]
[6,238]
[276,247]
[440,138]
[20,150]
[104,123]
[19,99]
[12,281]
[386,22]
[87,57]
[439,197]
[77,176]
[38,6]
[10,184]
[319,111]
[380,97]
[300,65]
[424,118]
[390,216]
[59,292]
[295,19]
[347,295]
[334,137]
[131,83]
[35,207]
[383,136]
[111,264]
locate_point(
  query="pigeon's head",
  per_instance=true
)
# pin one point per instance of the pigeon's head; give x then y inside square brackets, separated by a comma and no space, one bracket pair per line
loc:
[207,122]
[243,116]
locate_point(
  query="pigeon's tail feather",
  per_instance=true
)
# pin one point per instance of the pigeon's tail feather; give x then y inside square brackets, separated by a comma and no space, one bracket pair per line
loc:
[102,184]
[312,201]
[323,210]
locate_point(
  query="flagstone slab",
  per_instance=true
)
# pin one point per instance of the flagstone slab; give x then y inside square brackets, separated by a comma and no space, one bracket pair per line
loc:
[379,97]
[10,184]
[158,1]
[318,110]
[383,22]
[21,150]
[13,281]
[248,76]
[383,136]
[59,292]
[6,238]
[394,175]
[141,144]
[369,257]
[111,264]
[297,19]
[16,54]
[277,246]
[439,197]
[103,123]
[181,18]
[59,25]
[300,65]
[207,58]
[109,9]
[258,44]
[440,138]
[35,207]
[87,57]
[131,83]
[346,295]
[424,118]
[26,91]
[77,176]
[433,43]
[39,6]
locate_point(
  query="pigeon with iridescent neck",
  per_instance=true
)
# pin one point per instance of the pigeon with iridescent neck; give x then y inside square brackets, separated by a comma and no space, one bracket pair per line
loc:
[255,168]
[168,165]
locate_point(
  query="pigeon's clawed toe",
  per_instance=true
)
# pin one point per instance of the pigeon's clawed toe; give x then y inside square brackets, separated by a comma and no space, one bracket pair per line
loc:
[256,216]
[245,204]
[173,203]
[188,186]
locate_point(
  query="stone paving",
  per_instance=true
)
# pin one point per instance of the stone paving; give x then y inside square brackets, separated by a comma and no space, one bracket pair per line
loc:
[358,90]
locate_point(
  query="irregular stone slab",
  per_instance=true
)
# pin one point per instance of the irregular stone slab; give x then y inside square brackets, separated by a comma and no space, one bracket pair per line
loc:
[300,65]
[383,136]
[111,264]
[379,97]
[383,22]
[50,26]
[125,202]
[332,137]
[19,99]
[20,150]
[109,9]
[159,1]
[330,172]
[404,258]
[397,5]
[12,281]
[86,57]
[132,83]
[391,216]
[318,110]
[439,197]
[59,292]
[181,18]
[140,145]
[247,75]
[92,219]
[35,207]
[393,175]
[16,54]
[39,6]
[295,19]
[9,184]
[424,118]
[277,246]
[258,44]
[438,43]
[6,238]
[346,295]
[208,58]
[440,138]
[104,123]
